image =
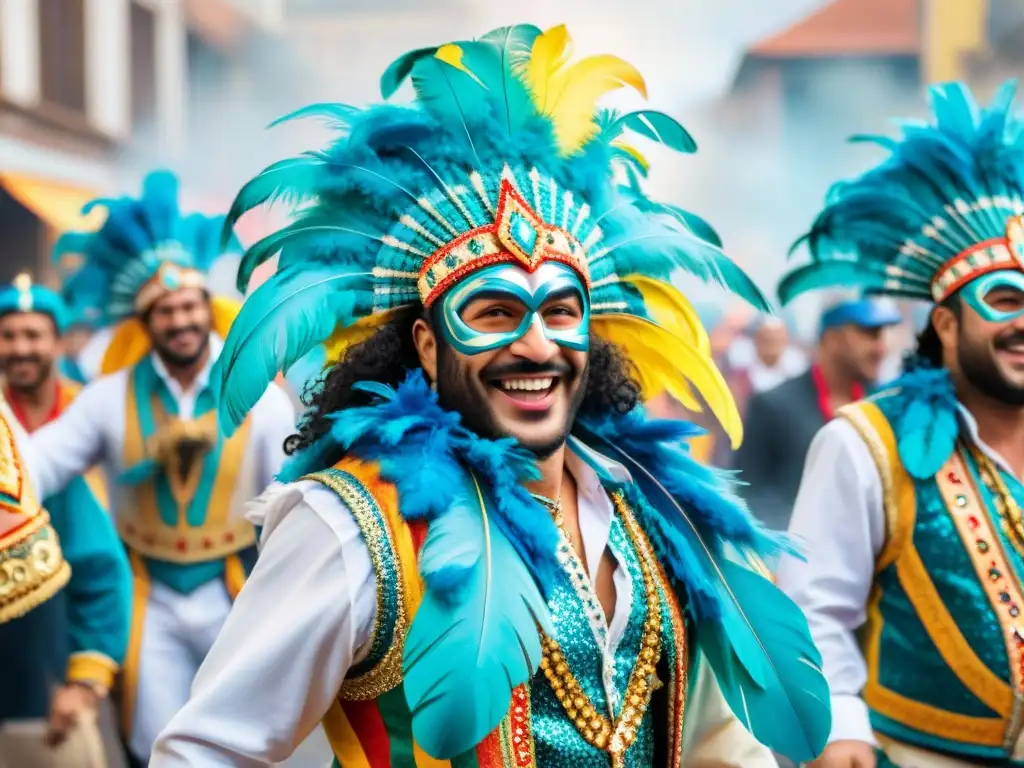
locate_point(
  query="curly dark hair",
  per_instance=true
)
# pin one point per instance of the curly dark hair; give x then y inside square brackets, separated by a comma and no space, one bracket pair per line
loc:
[389,355]
[929,347]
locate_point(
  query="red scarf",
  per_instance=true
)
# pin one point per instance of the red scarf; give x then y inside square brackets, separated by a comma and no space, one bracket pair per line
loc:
[22,417]
[825,396]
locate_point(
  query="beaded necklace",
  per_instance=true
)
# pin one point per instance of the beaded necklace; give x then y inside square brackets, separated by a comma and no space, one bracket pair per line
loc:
[1006,505]
[614,736]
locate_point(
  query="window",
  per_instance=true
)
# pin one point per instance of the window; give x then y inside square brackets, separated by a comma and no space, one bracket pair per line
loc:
[143,68]
[62,53]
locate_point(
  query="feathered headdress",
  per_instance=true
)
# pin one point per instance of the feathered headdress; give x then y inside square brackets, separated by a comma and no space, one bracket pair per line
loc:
[22,295]
[944,208]
[504,158]
[144,249]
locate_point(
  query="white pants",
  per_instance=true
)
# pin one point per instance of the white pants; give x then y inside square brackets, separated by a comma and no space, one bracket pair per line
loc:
[177,633]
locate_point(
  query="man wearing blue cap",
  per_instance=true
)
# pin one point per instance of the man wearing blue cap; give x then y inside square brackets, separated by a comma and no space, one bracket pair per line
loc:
[59,659]
[781,422]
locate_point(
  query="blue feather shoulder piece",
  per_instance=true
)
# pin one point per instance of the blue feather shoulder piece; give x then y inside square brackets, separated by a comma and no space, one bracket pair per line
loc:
[755,638]
[927,423]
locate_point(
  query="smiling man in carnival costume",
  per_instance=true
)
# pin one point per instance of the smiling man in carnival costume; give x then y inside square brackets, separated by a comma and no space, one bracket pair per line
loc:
[910,500]
[178,486]
[484,555]
[61,647]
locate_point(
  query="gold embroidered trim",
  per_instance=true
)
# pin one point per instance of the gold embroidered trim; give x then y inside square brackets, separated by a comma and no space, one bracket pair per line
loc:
[387,673]
[898,496]
[32,567]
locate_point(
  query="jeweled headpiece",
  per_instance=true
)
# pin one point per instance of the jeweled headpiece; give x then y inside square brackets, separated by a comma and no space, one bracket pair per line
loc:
[942,210]
[145,249]
[503,158]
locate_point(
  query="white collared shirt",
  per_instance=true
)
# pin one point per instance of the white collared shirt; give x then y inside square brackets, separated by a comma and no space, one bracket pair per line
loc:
[839,521]
[306,616]
[91,431]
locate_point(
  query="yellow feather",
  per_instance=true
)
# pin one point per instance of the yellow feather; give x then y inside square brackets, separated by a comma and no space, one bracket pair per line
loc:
[672,311]
[548,55]
[569,95]
[346,336]
[663,360]
[451,54]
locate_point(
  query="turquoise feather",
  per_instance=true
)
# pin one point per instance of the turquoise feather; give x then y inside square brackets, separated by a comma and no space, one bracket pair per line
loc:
[495,59]
[759,644]
[336,115]
[465,653]
[302,308]
[400,68]
[657,126]
[450,93]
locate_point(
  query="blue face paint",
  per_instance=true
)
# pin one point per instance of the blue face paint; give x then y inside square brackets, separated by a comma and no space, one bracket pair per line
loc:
[526,293]
[997,297]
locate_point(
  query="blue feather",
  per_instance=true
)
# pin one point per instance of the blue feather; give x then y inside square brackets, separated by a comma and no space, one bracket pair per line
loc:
[761,649]
[302,309]
[927,425]
[464,655]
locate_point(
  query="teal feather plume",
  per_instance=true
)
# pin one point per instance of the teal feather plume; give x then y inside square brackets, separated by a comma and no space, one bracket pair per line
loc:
[301,309]
[400,68]
[336,115]
[759,645]
[464,654]
[451,94]
[495,59]
[656,126]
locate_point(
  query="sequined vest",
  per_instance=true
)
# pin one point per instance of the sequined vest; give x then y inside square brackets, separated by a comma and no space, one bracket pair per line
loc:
[369,723]
[943,653]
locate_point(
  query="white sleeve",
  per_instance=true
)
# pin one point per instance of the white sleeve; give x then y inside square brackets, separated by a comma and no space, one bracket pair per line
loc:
[712,735]
[839,522]
[302,619]
[74,441]
[275,421]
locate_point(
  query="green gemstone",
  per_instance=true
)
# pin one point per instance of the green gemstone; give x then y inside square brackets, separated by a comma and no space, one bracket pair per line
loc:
[431,279]
[982,545]
[475,247]
[551,239]
[451,261]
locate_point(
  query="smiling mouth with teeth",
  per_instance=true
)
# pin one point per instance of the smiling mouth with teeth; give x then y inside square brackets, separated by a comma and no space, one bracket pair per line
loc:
[526,388]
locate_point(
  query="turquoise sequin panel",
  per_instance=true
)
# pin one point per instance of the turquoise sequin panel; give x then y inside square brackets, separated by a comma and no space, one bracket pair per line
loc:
[556,739]
[909,662]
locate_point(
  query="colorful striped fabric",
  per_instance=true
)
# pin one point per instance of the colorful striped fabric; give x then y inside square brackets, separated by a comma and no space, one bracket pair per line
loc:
[377,733]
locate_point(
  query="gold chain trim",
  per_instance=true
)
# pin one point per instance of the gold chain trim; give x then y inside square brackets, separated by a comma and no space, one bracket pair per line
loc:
[614,737]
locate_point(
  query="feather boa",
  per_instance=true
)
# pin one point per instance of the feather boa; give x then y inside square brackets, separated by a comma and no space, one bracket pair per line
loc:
[425,451]
[707,494]
[927,422]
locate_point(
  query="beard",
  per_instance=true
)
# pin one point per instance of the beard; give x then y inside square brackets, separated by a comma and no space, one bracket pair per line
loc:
[43,368]
[175,359]
[980,368]
[460,390]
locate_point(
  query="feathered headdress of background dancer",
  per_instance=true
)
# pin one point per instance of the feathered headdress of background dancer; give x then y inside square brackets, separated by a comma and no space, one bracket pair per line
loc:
[144,249]
[504,157]
[943,209]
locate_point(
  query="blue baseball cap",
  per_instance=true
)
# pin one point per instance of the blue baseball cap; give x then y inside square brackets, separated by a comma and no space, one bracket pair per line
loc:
[864,313]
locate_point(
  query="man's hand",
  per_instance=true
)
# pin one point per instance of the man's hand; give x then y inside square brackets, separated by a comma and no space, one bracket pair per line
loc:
[846,754]
[68,706]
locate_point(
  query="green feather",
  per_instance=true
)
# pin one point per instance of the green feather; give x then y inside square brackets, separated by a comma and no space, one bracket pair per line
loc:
[400,68]
[290,314]
[658,127]
[464,656]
